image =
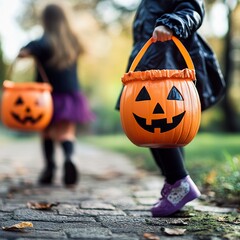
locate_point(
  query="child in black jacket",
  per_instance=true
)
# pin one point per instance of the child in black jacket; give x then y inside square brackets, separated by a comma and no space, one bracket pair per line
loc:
[162,20]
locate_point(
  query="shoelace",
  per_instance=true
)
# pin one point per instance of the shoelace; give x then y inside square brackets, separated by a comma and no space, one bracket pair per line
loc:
[166,188]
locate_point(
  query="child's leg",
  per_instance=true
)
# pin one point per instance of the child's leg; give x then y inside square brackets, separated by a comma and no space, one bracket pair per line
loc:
[66,136]
[171,163]
[179,188]
[70,171]
[157,157]
[48,152]
[68,149]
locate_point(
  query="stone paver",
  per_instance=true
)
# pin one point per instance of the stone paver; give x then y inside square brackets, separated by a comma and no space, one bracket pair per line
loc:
[112,200]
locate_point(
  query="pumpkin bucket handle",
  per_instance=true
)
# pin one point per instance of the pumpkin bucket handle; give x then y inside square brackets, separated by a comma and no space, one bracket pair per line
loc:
[39,67]
[179,45]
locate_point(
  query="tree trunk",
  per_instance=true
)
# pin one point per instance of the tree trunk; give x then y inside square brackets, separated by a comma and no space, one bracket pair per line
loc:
[230,117]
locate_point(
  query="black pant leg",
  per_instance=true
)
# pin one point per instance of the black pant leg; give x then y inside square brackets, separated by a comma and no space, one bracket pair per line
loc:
[171,163]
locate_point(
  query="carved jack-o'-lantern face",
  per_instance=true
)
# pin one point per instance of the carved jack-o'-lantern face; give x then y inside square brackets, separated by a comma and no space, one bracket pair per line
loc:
[26,107]
[164,113]
[160,123]
[25,112]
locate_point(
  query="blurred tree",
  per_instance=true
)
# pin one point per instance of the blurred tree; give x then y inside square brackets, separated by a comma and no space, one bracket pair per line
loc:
[2,66]
[106,12]
[29,17]
[230,121]
[109,12]
[230,117]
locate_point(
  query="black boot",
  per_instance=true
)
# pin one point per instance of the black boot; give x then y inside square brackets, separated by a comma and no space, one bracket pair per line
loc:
[47,175]
[71,174]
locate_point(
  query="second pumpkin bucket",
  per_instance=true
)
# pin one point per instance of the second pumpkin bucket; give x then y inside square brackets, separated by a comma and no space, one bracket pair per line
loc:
[26,106]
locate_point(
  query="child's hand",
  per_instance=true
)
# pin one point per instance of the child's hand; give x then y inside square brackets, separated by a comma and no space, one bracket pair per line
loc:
[162,34]
[23,53]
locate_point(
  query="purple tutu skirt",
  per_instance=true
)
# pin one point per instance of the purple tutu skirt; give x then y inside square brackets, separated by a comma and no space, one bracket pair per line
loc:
[71,107]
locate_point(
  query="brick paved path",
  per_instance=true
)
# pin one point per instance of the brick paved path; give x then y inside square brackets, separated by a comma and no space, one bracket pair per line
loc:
[112,200]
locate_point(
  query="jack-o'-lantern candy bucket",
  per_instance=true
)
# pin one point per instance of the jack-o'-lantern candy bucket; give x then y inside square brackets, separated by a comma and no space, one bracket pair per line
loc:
[26,106]
[160,108]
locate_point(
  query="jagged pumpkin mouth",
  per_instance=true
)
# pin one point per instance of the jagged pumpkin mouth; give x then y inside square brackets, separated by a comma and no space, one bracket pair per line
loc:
[159,123]
[26,119]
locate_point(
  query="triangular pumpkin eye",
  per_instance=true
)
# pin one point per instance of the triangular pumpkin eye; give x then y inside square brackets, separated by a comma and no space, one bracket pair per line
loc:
[143,95]
[19,101]
[174,94]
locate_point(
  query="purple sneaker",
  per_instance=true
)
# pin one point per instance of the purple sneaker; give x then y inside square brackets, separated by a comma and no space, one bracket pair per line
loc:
[175,196]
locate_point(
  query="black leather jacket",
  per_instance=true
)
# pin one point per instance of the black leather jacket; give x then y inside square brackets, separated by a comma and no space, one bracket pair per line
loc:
[184,18]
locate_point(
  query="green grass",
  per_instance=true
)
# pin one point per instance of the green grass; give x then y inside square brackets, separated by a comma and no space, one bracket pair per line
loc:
[206,152]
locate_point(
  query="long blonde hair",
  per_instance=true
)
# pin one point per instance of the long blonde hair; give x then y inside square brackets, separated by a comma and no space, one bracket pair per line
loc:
[64,42]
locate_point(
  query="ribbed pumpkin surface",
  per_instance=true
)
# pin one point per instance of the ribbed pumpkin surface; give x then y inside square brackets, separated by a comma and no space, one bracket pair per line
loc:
[160,108]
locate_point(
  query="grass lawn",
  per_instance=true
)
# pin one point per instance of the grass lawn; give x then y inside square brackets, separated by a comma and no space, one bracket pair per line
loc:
[206,152]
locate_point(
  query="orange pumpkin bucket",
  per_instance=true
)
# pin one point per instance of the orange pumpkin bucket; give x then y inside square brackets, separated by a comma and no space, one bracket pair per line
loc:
[160,108]
[26,106]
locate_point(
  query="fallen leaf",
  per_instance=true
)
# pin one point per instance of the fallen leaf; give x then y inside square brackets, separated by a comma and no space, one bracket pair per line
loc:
[174,231]
[228,220]
[211,177]
[221,219]
[18,226]
[109,175]
[178,222]
[41,205]
[236,221]
[151,236]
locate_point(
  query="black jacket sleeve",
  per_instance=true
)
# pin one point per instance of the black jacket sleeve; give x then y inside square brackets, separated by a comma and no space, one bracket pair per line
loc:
[185,19]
